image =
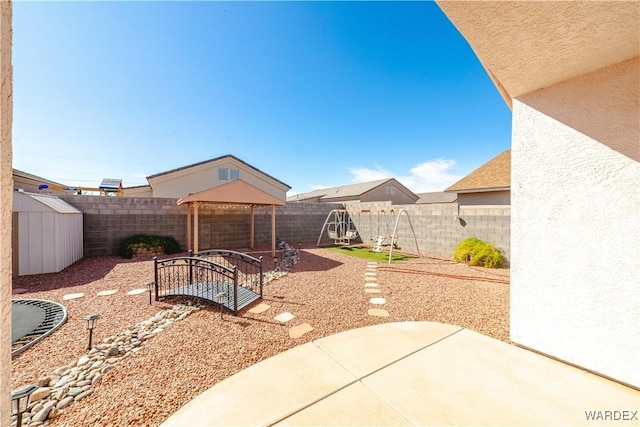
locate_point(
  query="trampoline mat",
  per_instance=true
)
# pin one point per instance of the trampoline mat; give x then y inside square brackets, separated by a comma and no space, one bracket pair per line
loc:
[25,319]
[32,320]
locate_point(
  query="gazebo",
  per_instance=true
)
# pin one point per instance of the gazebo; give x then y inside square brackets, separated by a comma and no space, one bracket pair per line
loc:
[234,193]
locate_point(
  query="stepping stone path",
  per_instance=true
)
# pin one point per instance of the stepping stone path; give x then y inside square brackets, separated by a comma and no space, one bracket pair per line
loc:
[300,330]
[284,317]
[371,287]
[378,312]
[260,308]
[137,291]
[69,384]
[72,296]
[107,292]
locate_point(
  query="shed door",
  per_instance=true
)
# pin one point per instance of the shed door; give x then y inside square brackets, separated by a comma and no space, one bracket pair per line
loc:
[15,249]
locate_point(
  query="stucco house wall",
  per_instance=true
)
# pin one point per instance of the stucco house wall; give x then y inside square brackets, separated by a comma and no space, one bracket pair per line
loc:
[200,177]
[575,221]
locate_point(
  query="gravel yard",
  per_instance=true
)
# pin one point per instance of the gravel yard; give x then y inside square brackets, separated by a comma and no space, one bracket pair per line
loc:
[325,290]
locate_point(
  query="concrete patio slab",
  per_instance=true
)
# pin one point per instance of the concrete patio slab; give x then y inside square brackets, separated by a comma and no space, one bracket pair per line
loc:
[266,392]
[409,373]
[365,350]
[338,410]
[489,382]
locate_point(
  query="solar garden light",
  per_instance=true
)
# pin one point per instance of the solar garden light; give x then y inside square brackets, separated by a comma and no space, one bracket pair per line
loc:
[222,299]
[150,286]
[20,401]
[275,262]
[92,321]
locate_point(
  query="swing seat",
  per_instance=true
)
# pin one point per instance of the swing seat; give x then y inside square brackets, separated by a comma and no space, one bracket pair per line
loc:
[332,234]
[351,234]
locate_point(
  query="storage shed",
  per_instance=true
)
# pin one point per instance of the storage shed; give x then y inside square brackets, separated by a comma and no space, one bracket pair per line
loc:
[47,234]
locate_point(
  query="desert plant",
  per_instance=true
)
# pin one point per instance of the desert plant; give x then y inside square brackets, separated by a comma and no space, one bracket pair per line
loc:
[168,244]
[477,252]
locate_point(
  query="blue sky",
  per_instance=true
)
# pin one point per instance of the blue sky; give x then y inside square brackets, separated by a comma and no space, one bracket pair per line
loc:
[313,93]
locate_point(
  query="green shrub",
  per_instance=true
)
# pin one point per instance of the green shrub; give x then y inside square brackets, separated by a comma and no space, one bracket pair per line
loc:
[477,252]
[168,244]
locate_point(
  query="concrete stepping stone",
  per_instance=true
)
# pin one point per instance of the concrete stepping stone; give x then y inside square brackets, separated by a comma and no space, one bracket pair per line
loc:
[137,291]
[378,312]
[372,291]
[378,301]
[284,317]
[72,296]
[300,330]
[107,292]
[260,308]
[370,279]
[370,273]
[370,285]
[372,264]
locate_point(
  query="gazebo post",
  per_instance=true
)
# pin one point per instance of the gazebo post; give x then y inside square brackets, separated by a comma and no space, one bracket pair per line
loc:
[196,231]
[273,230]
[253,210]
[189,227]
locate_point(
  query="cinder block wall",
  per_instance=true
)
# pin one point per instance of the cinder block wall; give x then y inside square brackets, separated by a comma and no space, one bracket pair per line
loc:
[437,230]
[108,220]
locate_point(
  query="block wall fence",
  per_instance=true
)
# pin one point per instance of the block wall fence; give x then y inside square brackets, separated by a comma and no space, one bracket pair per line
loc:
[108,220]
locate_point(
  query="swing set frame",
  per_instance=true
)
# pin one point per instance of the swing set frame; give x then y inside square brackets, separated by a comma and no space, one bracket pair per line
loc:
[342,229]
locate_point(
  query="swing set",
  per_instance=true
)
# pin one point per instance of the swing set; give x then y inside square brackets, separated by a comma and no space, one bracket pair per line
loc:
[342,229]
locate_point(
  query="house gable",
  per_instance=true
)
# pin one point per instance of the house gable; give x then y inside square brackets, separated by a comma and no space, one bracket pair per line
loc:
[190,179]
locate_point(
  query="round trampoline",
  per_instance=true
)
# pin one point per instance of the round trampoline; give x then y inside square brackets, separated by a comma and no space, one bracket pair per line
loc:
[32,320]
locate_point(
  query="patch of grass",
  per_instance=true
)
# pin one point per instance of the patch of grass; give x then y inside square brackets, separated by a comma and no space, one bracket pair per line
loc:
[368,254]
[477,252]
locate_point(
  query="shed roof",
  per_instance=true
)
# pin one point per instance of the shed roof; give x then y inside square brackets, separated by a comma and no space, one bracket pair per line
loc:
[52,202]
[237,192]
[495,175]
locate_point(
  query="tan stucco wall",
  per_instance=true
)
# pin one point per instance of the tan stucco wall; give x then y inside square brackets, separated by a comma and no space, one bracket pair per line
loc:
[489,198]
[182,183]
[6,201]
[138,192]
[575,281]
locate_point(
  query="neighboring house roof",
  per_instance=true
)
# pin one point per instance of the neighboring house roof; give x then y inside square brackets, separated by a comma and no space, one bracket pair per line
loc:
[230,156]
[437,197]
[34,178]
[345,191]
[495,175]
[236,192]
